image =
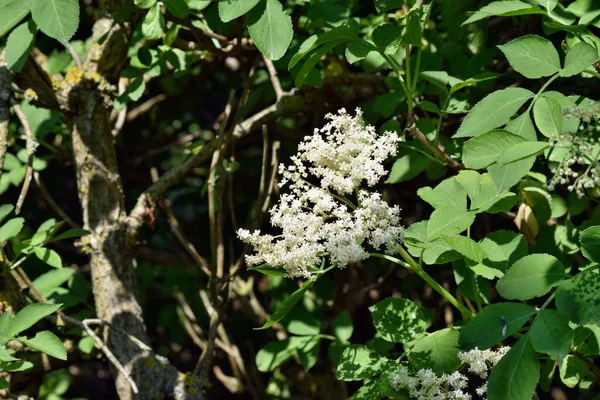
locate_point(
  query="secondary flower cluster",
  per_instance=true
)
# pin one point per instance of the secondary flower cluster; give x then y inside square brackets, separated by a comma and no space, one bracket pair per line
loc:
[426,385]
[579,168]
[319,220]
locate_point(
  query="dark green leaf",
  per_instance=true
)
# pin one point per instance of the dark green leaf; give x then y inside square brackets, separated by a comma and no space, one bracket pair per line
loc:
[437,351]
[532,276]
[484,150]
[276,353]
[285,306]
[398,320]
[532,56]
[358,363]
[581,57]
[579,297]
[590,243]
[232,9]
[503,8]
[551,334]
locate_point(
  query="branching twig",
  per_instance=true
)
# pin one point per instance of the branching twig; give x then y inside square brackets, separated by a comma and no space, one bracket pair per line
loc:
[412,129]
[145,106]
[31,146]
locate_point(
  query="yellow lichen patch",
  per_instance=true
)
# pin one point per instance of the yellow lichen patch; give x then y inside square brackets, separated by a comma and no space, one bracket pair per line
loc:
[30,94]
[74,75]
[57,84]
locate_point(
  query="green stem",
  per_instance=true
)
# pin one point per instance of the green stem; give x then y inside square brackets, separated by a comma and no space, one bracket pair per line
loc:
[543,88]
[408,80]
[412,265]
[438,128]
[417,67]
[592,72]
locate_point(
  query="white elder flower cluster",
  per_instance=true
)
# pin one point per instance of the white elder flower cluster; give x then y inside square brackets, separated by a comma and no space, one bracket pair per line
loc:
[579,168]
[320,220]
[426,385]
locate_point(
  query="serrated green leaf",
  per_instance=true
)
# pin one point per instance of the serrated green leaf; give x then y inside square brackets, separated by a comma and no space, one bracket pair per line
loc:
[47,282]
[532,56]
[522,126]
[398,320]
[447,193]
[29,316]
[448,221]
[46,342]
[590,243]
[516,375]
[19,45]
[550,334]
[270,28]
[358,363]
[48,256]
[437,351]
[531,276]
[506,176]
[581,57]
[503,8]
[10,229]
[486,329]
[232,9]
[5,209]
[285,306]
[465,246]
[579,297]
[56,18]
[548,4]
[153,25]
[387,37]
[548,116]
[519,151]
[493,111]
[484,150]
[481,189]
[13,12]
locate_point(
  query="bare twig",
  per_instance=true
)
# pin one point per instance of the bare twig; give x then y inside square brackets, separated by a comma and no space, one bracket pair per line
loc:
[50,200]
[73,54]
[145,106]
[411,128]
[274,78]
[5,95]
[31,146]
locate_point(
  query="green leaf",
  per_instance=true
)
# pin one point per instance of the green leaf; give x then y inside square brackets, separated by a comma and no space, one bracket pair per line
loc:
[493,111]
[134,92]
[485,76]
[10,229]
[276,353]
[398,320]
[579,297]
[581,57]
[522,126]
[19,45]
[270,28]
[503,8]
[29,316]
[531,276]
[48,256]
[548,116]
[232,9]
[144,3]
[550,334]
[485,330]
[447,193]
[285,306]
[358,363]
[448,221]
[407,167]
[506,176]
[153,25]
[312,60]
[268,271]
[548,4]
[522,150]
[590,243]
[5,209]
[429,106]
[573,370]
[481,189]
[342,326]
[387,38]
[56,18]
[13,12]
[178,8]
[356,51]
[532,56]
[86,344]
[485,149]
[47,282]
[437,351]
[516,375]
[466,246]
[302,322]
[386,5]
[308,353]
[5,355]
[46,342]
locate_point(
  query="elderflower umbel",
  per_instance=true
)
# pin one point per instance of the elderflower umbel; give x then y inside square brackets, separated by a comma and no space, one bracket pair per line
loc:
[426,385]
[319,220]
